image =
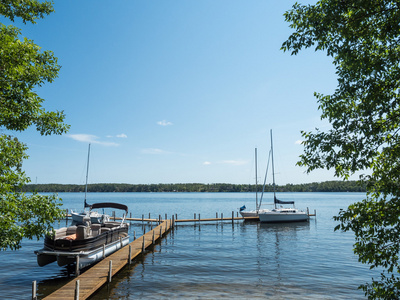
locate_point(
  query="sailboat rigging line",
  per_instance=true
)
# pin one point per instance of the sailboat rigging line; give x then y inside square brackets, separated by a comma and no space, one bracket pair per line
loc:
[273,170]
[265,180]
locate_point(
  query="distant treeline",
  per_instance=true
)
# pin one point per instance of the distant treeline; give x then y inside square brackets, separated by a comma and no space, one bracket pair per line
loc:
[327,186]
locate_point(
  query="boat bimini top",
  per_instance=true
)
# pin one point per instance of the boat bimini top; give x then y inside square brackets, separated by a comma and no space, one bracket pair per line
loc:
[111,205]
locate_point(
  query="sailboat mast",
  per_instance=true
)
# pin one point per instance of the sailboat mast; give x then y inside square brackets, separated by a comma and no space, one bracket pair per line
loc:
[273,169]
[256,180]
[87,174]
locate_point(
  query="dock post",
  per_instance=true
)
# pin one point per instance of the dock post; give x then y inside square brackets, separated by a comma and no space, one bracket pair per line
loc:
[143,246]
[77,290]
[199,217]
[222,216]
[134,235]
[66,216]
[142,218]
[159,219]
[130,255]
[165,216]
[160,232]
[315,212]
[34,290]
[194,216]
[176,216]
[233,216]
[153,238]
[110,271]
[173,221]
[149,217]
[77,266]
[114,214]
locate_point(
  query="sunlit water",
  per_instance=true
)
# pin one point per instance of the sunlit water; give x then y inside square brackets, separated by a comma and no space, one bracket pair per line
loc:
[216,259]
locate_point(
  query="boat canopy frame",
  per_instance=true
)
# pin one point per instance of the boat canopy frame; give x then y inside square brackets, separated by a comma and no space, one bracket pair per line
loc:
[109,205]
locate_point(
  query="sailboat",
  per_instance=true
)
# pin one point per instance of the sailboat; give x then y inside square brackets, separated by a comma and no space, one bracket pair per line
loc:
[95,217]
[254,213]
[281,214]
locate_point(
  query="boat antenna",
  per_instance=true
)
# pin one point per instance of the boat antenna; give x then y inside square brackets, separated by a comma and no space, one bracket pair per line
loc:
[273,169]
[87,174]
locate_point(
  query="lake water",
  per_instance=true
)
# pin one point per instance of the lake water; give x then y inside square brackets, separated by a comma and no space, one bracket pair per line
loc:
[215,260]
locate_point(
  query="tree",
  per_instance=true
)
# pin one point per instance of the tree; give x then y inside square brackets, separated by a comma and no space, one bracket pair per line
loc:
[362,37]
[23,67]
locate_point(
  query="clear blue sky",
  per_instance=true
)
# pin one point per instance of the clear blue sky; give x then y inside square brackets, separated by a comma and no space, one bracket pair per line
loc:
[175,92]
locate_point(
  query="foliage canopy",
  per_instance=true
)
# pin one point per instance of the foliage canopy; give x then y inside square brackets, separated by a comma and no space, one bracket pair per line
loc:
[327,186]
[23,67]
[362,37]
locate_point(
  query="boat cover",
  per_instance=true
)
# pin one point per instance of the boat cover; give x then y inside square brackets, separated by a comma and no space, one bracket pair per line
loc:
[109,204]
[283,202]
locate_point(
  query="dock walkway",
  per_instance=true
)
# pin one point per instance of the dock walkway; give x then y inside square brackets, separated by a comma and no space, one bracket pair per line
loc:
[95,277]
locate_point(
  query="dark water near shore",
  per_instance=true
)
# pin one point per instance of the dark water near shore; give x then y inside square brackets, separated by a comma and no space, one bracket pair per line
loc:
[213,260]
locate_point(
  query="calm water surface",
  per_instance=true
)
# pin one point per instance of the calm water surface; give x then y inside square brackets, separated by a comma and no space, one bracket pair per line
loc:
[214,260]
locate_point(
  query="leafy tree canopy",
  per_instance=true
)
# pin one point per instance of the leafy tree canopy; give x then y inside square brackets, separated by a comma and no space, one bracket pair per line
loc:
[327,186]
[362,37]
[23,67]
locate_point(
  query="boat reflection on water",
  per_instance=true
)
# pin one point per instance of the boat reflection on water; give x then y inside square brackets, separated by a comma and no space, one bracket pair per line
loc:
[281,248]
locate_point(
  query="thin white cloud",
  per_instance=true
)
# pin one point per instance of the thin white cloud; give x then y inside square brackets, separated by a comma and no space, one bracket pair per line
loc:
[153,151]
[206,163]
[89,138]
[234,162]
[298,142]
[164,123]
[121,136]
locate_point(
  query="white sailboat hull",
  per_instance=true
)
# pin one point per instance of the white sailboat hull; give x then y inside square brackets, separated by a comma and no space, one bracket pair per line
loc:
[95,217]
[249,214]
[283,215]
[252,213]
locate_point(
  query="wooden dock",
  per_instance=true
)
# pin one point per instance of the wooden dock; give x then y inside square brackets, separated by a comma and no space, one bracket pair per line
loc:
[95,277]
[214,219]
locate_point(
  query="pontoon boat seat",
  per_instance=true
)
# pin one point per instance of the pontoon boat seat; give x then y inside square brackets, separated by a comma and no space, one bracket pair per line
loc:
[81,232]
[95,229]
[104,229]
[112,224]
[71,230]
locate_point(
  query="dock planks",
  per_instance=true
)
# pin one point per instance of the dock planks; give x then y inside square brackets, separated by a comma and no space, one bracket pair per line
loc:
[95,277]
